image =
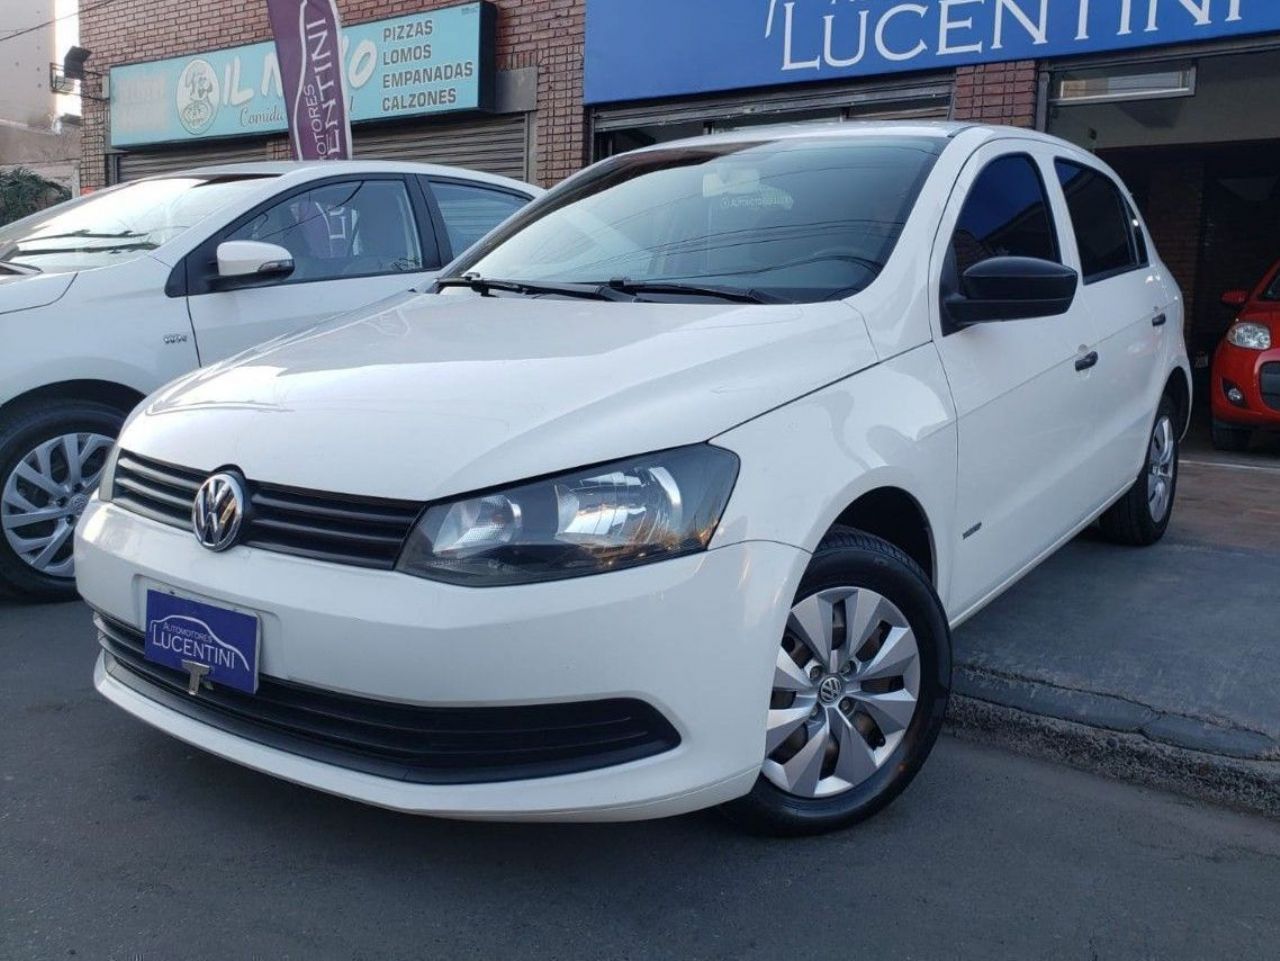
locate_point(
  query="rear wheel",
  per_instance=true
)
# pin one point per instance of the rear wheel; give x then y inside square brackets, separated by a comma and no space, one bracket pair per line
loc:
[860,688]
[1235,440]
[1141,517]
[51,460]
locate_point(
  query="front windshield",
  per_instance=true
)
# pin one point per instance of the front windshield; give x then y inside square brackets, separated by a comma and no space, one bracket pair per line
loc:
[1273,289]
[117,225]
[800,220]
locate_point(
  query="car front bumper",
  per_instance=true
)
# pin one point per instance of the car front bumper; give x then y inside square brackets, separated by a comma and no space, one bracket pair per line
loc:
[1257,375]
[695,638]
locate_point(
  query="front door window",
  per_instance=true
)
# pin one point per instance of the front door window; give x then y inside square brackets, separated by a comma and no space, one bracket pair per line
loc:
[359,228]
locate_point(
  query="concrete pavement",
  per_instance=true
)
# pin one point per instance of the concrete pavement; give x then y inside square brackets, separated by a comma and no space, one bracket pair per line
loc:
[1168,657]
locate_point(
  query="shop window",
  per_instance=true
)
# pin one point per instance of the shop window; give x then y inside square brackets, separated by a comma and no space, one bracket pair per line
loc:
[1138,82]
[1103,222]
[1005,215]
[471,212]
[350,229]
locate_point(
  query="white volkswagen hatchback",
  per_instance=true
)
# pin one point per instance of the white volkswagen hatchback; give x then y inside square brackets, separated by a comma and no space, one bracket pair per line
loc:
[671,500]
[103,300]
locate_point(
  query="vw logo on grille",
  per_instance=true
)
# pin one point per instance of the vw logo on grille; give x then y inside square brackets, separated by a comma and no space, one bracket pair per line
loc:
[218,511]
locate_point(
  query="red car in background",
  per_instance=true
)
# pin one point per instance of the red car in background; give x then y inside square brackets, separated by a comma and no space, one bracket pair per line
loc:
[1245,391]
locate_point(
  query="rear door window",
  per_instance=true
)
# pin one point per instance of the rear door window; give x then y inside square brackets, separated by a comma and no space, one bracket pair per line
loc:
[470,211]
[1103,222]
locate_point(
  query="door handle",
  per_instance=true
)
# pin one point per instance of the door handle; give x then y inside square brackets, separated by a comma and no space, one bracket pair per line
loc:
[1087,361]
[1159,320]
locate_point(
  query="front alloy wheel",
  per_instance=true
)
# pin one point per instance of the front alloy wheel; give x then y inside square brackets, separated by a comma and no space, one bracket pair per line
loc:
[51,461]
[44,496]
[845,690]
[860,687]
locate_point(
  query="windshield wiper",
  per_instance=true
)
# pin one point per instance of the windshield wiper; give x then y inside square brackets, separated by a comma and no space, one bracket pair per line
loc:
[735,295]
[111,249]
[485,287]
[86,234]
[23,270]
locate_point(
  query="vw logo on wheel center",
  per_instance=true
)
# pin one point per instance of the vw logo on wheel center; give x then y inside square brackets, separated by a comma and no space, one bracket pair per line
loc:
[218,512]
[830,689]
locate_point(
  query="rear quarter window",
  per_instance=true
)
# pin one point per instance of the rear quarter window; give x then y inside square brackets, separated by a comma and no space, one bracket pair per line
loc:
[471,211]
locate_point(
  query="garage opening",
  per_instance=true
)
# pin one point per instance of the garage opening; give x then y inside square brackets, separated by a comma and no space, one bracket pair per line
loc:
[1196,134]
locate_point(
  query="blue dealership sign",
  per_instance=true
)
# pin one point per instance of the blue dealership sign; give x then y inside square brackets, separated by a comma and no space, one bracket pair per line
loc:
[642,49]
[431,62]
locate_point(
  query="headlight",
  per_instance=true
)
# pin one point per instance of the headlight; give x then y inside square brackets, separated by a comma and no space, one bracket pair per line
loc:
[1250,336]
[107,480]
[599,519]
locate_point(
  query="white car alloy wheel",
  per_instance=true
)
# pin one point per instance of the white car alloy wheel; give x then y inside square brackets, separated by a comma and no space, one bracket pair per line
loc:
[45,494]
[1141,517]
[844,692]
[1163,463]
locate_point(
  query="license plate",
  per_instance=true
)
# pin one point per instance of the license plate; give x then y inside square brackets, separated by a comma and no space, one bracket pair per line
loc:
[205,642]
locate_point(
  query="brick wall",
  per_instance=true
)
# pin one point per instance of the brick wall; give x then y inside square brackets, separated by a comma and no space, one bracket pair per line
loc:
[547,34]
[1174,214]
[1003,93]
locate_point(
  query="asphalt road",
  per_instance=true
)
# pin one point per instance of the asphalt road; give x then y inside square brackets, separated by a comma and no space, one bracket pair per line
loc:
[117,842]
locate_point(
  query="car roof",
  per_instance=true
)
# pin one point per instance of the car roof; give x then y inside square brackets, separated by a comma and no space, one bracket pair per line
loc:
[941,130]
[300,170]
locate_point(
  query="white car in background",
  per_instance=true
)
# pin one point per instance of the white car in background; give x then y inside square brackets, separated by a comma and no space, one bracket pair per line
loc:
[105,298]
[669,499]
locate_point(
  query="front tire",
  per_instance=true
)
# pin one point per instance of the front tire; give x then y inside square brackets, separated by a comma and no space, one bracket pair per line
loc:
[861,684]
[51,459]
[1141,517]
[1233,440]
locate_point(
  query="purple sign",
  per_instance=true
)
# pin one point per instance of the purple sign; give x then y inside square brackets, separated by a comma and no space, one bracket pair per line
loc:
[308,37]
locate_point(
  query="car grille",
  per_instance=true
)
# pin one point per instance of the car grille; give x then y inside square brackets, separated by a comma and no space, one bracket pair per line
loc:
[1270,384]
[423,745]
[362,531]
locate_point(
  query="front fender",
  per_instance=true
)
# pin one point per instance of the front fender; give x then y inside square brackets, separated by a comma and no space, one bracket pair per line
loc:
[891,426]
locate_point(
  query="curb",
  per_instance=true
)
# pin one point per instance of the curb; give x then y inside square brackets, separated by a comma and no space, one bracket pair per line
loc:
[1112,713]
[1247,784]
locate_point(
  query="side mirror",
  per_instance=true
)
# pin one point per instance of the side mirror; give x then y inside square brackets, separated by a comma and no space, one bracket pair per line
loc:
[1012,288]
[252,260]
[1235,298]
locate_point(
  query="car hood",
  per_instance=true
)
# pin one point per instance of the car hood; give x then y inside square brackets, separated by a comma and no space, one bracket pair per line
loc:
[28,291]
[1265,312]
[429,396]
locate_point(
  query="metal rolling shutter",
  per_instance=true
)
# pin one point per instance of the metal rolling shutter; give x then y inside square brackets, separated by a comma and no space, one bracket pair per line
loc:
[497,145]
[147,163]
[914,98]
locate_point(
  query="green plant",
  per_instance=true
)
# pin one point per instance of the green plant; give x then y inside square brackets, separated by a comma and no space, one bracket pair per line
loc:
[23,192]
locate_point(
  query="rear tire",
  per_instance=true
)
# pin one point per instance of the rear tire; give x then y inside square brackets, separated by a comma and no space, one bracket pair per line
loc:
[878,680]
[1234,440]
[51,457]
[1141,517]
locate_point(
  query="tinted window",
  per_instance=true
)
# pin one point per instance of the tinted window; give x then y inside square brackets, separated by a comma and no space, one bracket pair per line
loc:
[353,229]
[803,219]
[471,212]
[1005,215]
[1102,221]
[118,225]
[1273,289]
